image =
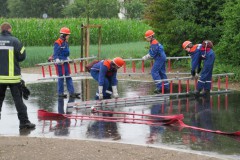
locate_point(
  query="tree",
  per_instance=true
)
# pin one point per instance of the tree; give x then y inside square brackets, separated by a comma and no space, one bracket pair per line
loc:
[159,14]
[178,20]
[228,47]
[36,8]
[95,9]
[134,8]
[4,10]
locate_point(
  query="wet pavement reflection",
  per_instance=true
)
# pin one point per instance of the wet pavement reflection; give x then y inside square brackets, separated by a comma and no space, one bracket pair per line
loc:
[217,112]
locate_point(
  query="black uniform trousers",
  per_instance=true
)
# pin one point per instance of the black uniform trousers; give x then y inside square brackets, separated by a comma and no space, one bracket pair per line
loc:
[16,92]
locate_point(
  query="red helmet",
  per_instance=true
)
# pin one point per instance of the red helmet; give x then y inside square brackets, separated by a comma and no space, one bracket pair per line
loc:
[118,61]
[65,30]
[149,33]
[185,44]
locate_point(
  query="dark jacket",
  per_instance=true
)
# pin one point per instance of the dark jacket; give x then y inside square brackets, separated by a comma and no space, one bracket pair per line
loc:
[11,53]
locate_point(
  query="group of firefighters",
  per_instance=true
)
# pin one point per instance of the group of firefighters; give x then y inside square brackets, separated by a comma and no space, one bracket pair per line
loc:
[104,72]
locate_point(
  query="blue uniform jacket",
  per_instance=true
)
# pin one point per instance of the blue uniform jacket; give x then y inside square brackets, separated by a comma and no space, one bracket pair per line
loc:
[208,62]
[206,75]
[61,49]
[195,54]
[158,71]
[105,70]
[156,51]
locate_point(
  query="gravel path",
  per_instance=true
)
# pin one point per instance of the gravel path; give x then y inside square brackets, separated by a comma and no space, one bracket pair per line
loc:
[31,148]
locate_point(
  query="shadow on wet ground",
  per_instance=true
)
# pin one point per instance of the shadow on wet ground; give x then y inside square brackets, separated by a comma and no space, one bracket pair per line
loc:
[218,112]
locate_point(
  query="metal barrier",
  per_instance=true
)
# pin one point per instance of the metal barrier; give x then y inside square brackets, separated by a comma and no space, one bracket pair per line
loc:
[134,60]
[133,68]
[48,66]
[180,79]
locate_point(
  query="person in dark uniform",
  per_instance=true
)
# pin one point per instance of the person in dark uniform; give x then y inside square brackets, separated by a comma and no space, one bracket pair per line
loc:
[62,53]
[195,53]
[201,52]
[208,57]
[11,53]
[158,70]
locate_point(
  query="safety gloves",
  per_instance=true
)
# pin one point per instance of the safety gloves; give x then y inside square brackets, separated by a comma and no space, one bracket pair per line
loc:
[194,74]
[69,59]
[100,92]
[115,92]
[198,72]
[58,61]
[147,56]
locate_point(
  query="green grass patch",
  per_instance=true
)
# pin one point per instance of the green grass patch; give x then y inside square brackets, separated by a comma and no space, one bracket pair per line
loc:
[39,54]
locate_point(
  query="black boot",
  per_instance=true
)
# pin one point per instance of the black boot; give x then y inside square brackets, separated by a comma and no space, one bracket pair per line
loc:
[27,125]
[62,95]
[196,93]
[75,95]
[206,93]
[166,91]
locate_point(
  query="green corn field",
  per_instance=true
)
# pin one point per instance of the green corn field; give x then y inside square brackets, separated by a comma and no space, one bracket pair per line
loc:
[43,32]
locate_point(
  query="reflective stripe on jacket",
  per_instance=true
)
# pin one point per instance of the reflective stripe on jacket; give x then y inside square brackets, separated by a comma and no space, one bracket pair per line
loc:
[11,53]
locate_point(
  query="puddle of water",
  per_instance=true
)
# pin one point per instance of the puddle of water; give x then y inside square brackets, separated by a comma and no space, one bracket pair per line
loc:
[220,112]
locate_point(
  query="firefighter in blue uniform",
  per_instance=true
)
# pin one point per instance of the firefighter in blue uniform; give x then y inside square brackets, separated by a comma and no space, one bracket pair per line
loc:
[195,53]
[61,53]
[201,52]
[11,53]
[158,71]
[208,57]
[105,73]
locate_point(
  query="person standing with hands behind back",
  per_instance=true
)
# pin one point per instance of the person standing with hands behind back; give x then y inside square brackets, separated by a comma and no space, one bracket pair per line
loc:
[62,53]
[11,53]
[158,71]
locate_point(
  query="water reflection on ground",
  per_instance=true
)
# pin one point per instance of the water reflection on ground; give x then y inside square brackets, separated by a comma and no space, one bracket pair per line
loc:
[218,112]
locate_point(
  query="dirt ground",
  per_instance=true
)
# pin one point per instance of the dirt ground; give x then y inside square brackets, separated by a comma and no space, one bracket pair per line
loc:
[24,148]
